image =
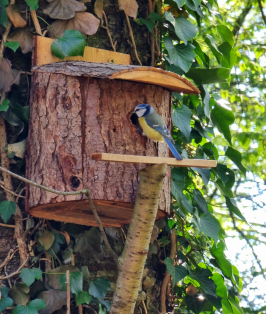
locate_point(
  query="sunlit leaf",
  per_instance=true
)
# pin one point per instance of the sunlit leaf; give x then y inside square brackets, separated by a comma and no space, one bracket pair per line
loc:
[236,158]
[177,272]
[181,119]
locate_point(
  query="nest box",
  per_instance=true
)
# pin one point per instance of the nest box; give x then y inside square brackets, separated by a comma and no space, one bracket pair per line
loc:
[80,135]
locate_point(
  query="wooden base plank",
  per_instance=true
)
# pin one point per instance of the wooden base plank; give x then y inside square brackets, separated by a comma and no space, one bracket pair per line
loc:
[199,163]
[42,54]
[112,214]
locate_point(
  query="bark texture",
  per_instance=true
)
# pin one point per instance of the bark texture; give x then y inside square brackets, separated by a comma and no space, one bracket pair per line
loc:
[137,244]
[72,117]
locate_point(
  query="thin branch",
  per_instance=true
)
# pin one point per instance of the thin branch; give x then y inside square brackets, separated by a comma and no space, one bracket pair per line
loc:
[17,271]
[36,22]
[90,308]
[9,257]
[144,306]
[11,192]
[108,32]
[68,291]
[240,20]
[133,40]
[7,226]
[262,13]
[249,244]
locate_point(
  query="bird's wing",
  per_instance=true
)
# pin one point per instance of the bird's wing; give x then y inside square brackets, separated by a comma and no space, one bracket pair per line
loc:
[156,122]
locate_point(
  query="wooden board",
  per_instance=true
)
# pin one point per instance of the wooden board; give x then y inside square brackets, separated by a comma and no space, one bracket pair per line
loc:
[199,163]
[156,76]
[112,214]
[42,54]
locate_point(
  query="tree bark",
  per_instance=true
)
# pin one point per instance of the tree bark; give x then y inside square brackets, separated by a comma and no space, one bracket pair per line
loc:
[135,252]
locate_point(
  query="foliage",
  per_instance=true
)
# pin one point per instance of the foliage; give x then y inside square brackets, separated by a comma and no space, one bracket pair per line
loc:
[224,123]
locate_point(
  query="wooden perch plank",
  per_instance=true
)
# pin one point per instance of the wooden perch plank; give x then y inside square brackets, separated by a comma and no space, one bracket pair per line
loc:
[199,163]
[42,54]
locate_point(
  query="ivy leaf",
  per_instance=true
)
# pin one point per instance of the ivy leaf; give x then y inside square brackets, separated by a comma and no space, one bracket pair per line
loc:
[99,287]
[180,55]
[222,119]
[208,76]
[202,276]
[177,272]
[209,225]
[4,303]
[181,119]
[31,308]
[154,17]
[218,252]
[194,304]
[236,158]
[200,201]
[72,43]
[226,34]
[29,275]
[82,297]
[150,25]
[183,28]
[23,113]
[5,105]
[211,43]
[202,55]
[231,204]
[33,4]
[3,14]
[7,209]
[58,239]
[12,45]
[4,291]
[76,282]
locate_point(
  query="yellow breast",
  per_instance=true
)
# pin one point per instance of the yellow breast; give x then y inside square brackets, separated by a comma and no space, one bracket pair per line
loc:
[150,133]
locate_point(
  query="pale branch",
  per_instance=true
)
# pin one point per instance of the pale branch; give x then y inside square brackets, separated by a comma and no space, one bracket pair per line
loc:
[16,272]
[9,257]
[108,32]
[133,40]
[261,10]
[248,242]
[68,291]
[11,192]
[7,226]
[36,22]
[132,260]
[84,191]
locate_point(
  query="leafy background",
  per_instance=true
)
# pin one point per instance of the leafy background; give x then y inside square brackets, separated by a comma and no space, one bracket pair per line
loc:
[222,50]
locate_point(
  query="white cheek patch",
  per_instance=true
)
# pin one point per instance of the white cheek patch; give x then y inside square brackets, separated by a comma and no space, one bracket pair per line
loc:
[141,112]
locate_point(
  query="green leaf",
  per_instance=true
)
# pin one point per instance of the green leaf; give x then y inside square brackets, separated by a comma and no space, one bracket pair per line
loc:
[3,16]
[31,308]
[225,174]
[211,43]
[204,173]
[200,201]
[4,303]
[210,150]
[181,119]
[47,239]
[177,272]
[229,55]
[194,304]
[99,287]
[150,25]
[234,302]
[102,310]
[12,45]
[20,293]
[5,105]
[29,275]
[236,158]
[183,28]
[4,291]
[217,251]
[33,4]
[202,55]
[180,55]
[76,282]
[72,43]
[23,113]
[222,119]
[209,225]
[7,209]
[202,276]
[180,3]
[208,76]
[221,289]
[58,239]
[231,204]
[226,34]
[154,17]
[82,297]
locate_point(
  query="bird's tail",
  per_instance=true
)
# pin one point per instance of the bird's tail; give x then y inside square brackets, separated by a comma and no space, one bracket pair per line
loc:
[173,149]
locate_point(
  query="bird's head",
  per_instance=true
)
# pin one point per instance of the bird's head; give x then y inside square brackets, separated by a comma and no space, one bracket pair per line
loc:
[143,110]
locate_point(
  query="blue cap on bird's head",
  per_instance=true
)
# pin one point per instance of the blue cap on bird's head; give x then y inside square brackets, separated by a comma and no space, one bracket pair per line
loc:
[143,110]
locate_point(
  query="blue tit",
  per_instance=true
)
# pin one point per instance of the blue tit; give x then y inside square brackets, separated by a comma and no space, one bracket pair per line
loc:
[150,123]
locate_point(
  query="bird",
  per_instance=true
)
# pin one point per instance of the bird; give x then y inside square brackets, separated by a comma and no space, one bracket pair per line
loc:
[148,122]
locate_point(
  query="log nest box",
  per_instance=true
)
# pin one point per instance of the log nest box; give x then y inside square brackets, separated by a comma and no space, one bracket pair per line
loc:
[79,119]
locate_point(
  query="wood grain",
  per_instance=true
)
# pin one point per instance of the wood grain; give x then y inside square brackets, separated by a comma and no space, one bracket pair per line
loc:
[199,163]
[42,54]
[134,73]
